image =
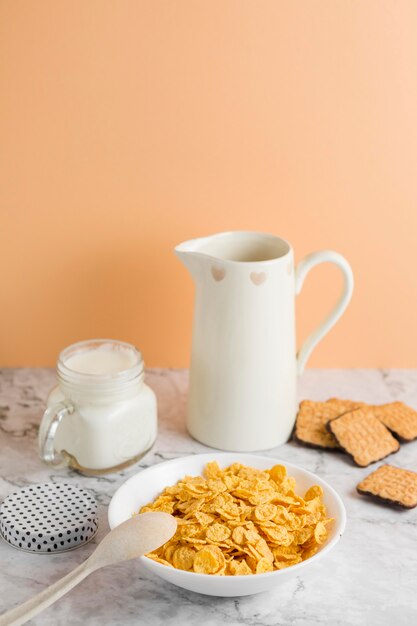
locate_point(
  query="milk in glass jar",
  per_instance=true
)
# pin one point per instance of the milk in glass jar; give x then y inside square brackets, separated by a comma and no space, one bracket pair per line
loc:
[101,416]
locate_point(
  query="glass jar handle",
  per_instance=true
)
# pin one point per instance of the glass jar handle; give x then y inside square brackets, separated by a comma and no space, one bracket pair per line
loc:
[49,425]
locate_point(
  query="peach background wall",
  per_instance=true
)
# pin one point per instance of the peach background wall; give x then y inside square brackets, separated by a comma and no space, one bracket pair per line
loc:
[129,126]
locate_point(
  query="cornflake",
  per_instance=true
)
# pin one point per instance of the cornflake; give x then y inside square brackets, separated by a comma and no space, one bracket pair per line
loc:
[240,520]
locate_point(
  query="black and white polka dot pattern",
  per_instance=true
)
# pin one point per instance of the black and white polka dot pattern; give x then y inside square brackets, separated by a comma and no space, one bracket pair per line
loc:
[48,518]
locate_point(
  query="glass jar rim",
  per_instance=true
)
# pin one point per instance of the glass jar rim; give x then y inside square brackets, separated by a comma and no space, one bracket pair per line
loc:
[122,376]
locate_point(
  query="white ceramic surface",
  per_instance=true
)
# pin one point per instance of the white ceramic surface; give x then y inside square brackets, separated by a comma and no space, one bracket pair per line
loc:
[243,364]
[146,485]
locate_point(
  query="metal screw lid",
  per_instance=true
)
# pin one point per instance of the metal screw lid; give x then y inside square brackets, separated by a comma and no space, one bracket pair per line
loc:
[48,518]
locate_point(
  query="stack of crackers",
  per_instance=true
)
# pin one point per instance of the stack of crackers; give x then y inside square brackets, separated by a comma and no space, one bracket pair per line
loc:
[368,433]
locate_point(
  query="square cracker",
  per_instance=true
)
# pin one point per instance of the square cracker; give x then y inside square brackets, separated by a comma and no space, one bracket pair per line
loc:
[312,417]
[399,418]
[363,436]
[391,484]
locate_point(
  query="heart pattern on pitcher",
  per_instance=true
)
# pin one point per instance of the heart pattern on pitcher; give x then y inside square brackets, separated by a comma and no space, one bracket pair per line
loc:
[218,272]
[258,277]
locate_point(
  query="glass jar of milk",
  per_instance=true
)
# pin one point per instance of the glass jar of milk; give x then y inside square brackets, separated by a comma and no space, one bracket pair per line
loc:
[101,416]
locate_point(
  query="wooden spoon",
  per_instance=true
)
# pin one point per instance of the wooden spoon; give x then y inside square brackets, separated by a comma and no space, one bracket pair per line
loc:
[135,537]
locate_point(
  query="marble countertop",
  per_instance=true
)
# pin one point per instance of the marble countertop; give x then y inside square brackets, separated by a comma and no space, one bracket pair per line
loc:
[370,578]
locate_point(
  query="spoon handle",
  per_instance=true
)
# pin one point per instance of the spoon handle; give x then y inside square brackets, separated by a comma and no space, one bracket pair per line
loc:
[24,612]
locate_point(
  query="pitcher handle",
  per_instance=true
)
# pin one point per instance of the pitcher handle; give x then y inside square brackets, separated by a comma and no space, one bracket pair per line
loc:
[47,431]
[303,268]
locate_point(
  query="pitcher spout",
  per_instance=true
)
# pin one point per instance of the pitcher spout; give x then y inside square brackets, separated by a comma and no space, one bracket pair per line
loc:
[237,247]
[189,253]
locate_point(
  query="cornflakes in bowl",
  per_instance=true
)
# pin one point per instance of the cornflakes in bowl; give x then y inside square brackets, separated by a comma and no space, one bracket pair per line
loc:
[245,522]
[240,520]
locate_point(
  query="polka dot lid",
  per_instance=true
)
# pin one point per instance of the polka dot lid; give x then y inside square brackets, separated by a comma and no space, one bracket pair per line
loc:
[48,518]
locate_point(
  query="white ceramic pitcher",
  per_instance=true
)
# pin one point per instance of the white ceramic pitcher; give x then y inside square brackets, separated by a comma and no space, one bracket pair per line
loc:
[244,365]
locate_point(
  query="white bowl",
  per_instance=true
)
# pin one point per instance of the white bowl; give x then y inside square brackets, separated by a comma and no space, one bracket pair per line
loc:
[147,484]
